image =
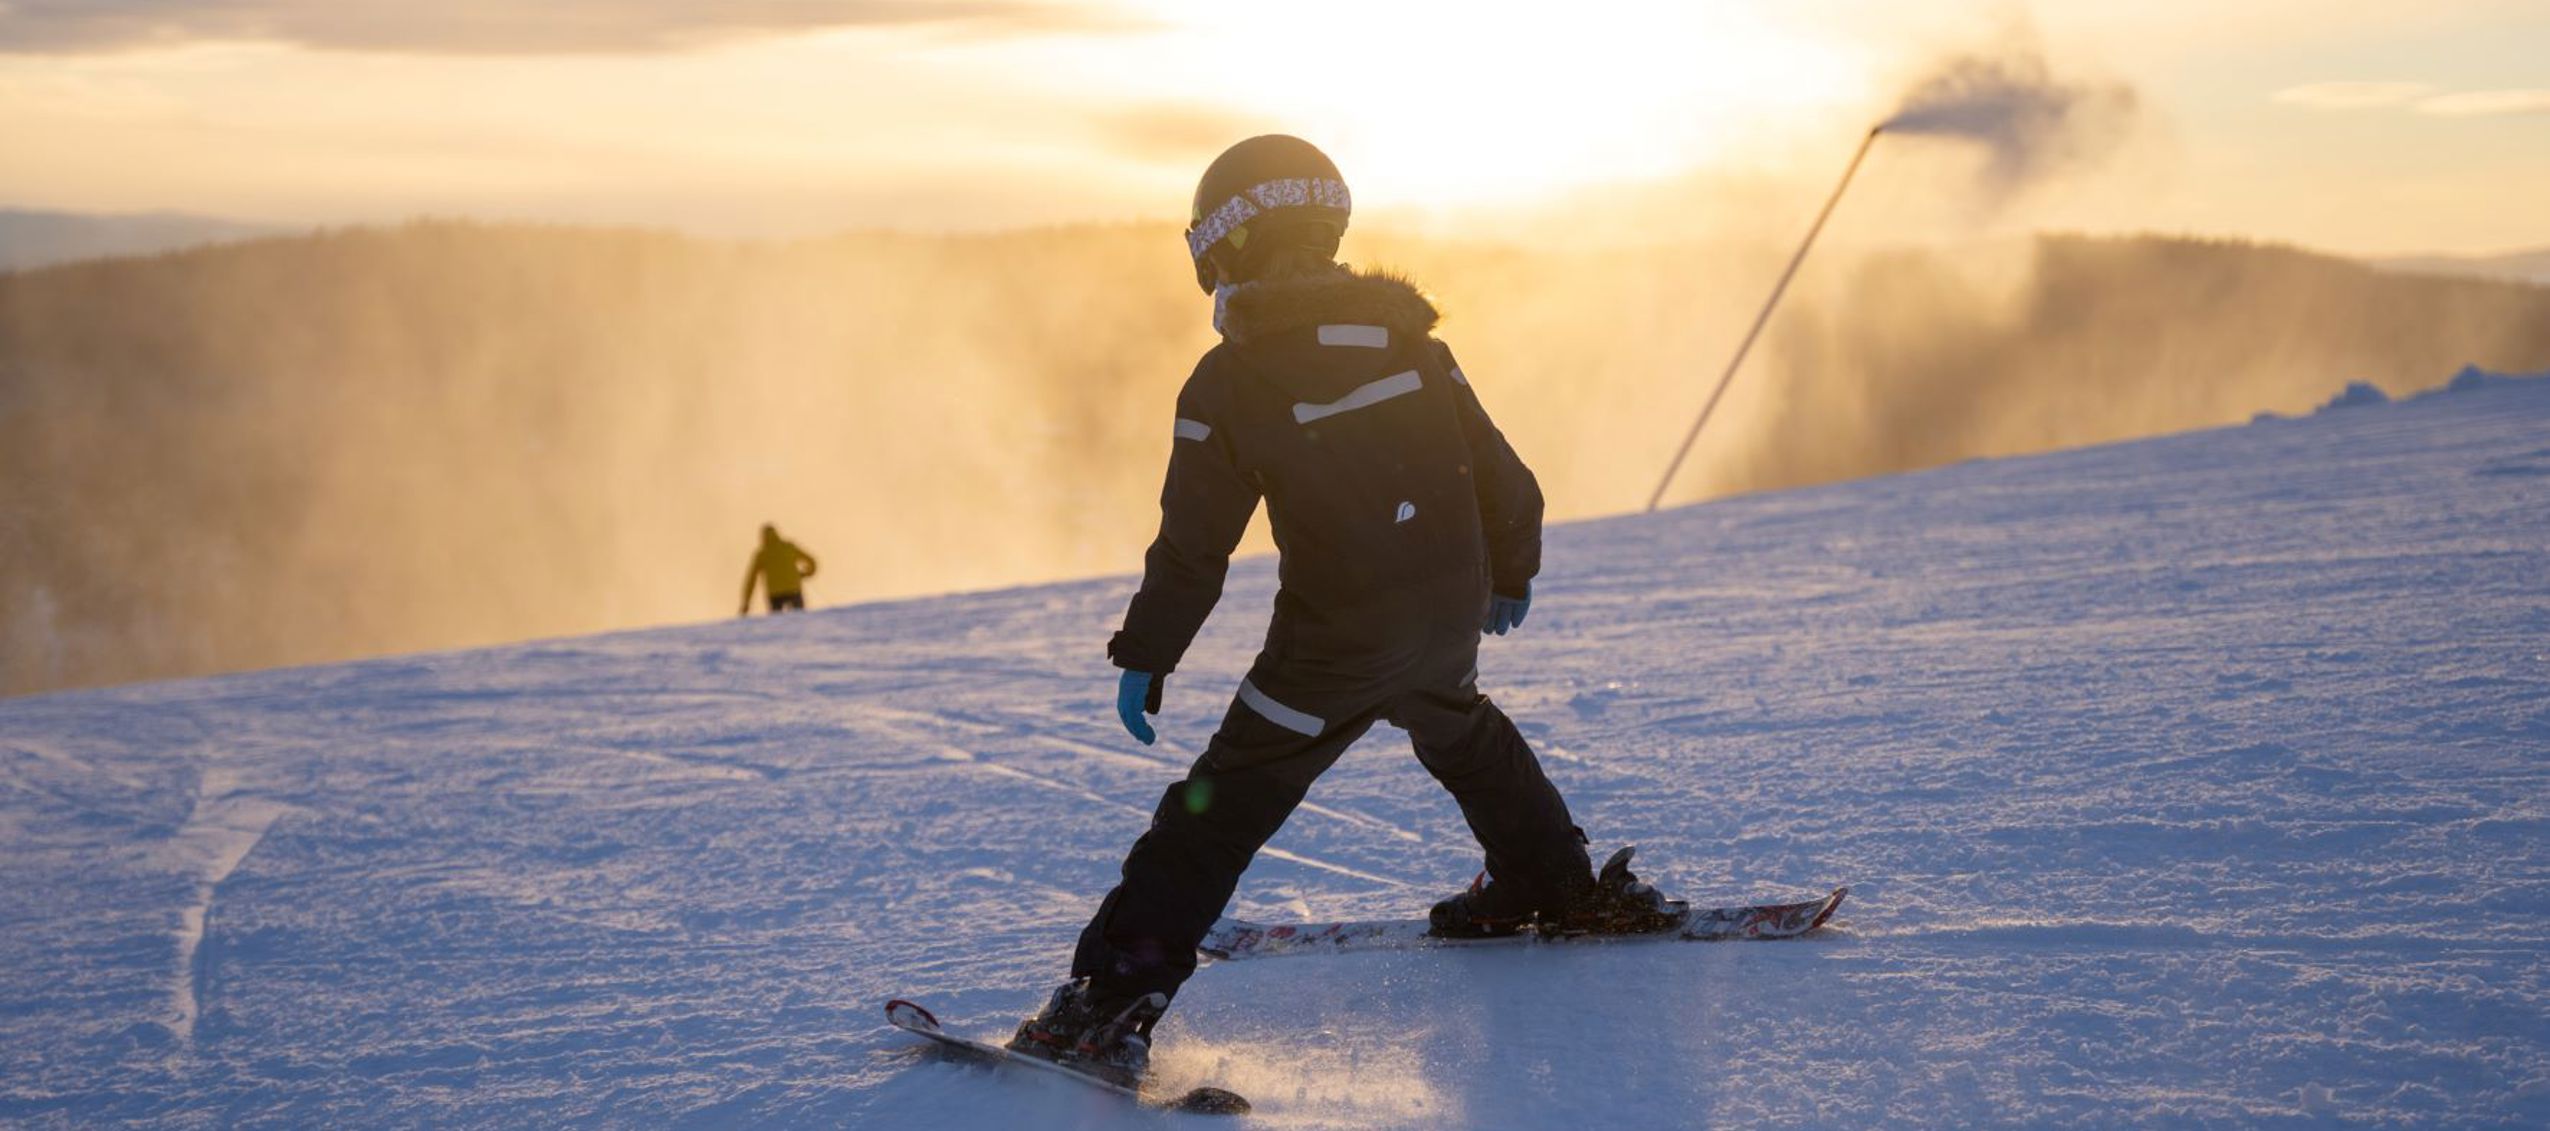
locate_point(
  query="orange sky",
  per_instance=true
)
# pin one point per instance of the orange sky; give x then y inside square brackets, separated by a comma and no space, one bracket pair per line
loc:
[2373,127]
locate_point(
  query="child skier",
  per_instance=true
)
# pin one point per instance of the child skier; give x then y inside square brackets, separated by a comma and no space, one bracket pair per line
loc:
[1405,524]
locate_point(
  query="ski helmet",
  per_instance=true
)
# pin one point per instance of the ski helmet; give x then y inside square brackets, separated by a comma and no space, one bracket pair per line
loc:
[1268,191]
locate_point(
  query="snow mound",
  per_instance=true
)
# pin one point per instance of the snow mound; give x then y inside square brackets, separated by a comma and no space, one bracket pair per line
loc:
[2472,378]
[2358,394]
[2364,394]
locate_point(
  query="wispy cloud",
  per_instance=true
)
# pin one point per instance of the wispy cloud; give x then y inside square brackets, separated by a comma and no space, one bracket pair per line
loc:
[508,27]
[2418,96]
[2352,95]
[2479,103]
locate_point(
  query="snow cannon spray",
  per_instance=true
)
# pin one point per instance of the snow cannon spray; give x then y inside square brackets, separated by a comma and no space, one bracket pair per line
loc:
[2030,123]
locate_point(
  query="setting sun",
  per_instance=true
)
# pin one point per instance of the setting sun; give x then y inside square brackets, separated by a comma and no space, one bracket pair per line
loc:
[1507,102]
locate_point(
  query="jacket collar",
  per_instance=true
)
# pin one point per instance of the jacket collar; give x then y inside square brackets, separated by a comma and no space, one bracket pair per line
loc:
[1261,310]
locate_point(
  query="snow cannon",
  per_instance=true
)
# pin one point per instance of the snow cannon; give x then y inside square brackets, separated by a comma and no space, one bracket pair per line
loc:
[1762,319]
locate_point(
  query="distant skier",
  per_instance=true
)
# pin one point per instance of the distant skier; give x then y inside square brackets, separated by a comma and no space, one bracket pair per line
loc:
[1406,524]
[781,569]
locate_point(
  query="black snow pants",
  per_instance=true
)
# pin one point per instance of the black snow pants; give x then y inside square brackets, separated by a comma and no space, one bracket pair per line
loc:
[1292,718]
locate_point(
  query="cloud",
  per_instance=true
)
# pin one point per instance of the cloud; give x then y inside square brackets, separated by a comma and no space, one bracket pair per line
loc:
[2352,95]
[2478,103]
[2419,96]
[507,27]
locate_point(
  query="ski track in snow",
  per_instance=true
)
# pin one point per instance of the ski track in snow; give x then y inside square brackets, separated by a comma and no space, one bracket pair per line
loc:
[2200,781]
[226,824]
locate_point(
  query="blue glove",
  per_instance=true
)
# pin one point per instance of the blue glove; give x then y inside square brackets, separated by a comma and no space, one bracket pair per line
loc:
[1138,693]
[1506,613]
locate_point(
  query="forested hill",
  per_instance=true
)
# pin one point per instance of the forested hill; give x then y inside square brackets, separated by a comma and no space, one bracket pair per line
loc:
[380,440]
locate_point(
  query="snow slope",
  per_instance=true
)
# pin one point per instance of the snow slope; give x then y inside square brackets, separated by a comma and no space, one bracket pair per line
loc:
[2201,781]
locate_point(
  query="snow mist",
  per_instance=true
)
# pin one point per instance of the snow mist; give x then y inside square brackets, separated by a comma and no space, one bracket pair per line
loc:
[2031,122]
[441,435]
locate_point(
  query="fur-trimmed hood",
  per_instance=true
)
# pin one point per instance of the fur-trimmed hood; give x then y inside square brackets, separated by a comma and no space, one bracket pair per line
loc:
[1259,310]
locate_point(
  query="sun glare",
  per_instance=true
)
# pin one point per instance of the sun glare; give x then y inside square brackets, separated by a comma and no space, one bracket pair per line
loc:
[1489,103]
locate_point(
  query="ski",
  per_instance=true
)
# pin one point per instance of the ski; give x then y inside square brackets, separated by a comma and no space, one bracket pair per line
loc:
[911,1018]
[1233,939]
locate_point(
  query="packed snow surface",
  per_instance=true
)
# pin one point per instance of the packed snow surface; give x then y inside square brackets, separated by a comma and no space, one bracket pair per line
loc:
[2197,781]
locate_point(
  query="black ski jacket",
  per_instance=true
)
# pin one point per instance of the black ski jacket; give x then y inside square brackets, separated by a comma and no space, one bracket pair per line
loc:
[1396,504]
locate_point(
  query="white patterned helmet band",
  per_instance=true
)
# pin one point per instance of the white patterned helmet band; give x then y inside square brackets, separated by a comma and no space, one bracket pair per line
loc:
[1288,192]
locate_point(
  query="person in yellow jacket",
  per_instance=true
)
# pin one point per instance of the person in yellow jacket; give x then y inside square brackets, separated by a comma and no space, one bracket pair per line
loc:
[781,569]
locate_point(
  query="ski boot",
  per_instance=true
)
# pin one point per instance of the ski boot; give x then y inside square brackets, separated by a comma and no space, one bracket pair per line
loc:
[1487,910]
[1089,1032]
[1618,903]
[1615,902]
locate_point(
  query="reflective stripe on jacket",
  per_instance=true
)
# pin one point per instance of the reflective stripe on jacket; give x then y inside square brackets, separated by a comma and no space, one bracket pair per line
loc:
[1395,502]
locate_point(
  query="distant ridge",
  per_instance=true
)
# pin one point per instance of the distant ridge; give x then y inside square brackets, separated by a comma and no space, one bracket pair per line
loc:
[41,239]
[2514,266]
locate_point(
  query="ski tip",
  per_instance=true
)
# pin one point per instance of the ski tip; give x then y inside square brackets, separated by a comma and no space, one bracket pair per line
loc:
[1210,1101]
[1832,903]
[909,1015]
